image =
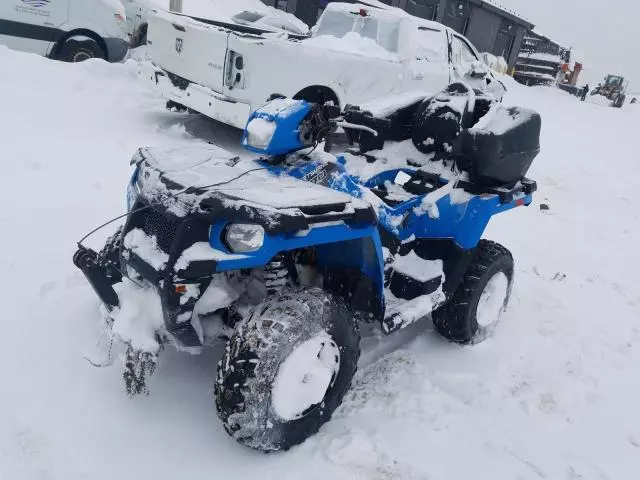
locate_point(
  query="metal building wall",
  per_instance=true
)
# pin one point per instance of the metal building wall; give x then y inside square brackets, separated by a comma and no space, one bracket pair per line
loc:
[483,29]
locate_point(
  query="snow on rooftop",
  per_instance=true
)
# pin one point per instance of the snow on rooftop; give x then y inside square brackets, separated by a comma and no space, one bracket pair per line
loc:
[541,76]
[505,9]
[541,67]
[352,43]
[544,57]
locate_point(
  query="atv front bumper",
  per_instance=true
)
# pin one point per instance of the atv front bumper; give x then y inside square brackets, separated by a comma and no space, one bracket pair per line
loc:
[155,245]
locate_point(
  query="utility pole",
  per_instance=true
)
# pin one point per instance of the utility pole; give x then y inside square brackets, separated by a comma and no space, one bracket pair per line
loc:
[175,6]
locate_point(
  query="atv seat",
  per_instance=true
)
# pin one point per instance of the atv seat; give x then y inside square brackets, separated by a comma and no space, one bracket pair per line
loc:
[421,183]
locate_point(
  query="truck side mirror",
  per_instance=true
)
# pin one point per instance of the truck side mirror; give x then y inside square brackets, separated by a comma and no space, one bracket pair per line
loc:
[478,70]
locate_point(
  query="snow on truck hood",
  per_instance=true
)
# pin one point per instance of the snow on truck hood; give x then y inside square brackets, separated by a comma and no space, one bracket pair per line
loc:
[201,166]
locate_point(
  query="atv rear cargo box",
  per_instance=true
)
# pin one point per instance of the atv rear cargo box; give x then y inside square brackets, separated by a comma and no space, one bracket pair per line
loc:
[500,148]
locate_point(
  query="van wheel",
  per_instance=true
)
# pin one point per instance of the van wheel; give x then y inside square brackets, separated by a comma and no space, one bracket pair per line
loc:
[77,50]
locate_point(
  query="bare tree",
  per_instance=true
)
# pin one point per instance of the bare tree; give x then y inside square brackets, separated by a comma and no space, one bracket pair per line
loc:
[175,5]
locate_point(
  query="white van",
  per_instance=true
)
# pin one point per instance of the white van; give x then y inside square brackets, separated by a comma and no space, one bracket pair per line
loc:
[138,12]
[68,30]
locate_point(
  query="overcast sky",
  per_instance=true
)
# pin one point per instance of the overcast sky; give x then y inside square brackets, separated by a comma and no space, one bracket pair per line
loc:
[604,34]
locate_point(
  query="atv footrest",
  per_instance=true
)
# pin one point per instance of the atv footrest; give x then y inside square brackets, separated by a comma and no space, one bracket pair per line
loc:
[505,193]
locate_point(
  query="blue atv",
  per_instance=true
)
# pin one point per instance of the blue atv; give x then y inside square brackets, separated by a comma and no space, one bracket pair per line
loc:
[287,254]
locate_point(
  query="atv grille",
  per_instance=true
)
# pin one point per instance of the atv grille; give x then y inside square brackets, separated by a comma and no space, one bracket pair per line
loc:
[157,225]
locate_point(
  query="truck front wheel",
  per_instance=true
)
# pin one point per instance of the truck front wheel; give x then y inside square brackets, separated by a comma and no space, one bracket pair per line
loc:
[286,369]
[475,309]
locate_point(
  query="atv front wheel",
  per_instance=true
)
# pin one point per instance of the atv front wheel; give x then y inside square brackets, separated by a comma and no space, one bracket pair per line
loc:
[475,309]
[286,369]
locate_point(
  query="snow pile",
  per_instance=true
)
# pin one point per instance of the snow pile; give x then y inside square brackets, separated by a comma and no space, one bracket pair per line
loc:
[138,320]
[146,247]
[304,377]
[498,119]
[388,104]
[544,57]
[497,64]
[260,132]
[352,43]
[203,252]
[413,266]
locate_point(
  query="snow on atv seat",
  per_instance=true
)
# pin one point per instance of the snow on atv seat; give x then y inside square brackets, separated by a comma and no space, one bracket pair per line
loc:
[212,169]
[388,104]
[397,155]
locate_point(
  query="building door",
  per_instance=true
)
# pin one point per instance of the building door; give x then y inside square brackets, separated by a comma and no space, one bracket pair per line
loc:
[427,9]
[505,40]
[307,11]
[456,15]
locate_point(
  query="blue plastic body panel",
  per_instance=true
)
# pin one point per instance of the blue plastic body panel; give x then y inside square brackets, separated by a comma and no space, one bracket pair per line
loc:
[353,246]
[132,189]
[286,137]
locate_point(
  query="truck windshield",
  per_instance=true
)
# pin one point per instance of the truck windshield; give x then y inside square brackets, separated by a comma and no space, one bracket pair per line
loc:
[338,24]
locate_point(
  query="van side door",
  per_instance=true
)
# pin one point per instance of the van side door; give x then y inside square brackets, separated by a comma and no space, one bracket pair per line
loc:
[32,25]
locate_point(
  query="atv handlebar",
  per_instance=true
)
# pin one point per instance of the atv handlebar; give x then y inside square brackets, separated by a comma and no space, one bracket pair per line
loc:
[352,120]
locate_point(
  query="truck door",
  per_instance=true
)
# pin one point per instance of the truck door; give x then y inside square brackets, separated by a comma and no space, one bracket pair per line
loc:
[428,66]
[32,25]
[466,65]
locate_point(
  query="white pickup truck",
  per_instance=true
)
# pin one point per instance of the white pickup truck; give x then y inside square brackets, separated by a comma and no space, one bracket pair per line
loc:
[356,53]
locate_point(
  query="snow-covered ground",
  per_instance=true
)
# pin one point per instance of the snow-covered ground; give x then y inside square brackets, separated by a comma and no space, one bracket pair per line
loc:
[554,394]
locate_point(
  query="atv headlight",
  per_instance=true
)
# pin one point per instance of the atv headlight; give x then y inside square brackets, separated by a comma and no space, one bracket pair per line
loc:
[244,237]
[260,133]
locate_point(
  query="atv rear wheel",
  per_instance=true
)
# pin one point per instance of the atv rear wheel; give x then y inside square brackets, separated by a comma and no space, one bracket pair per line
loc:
[475,309]
[286,369]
